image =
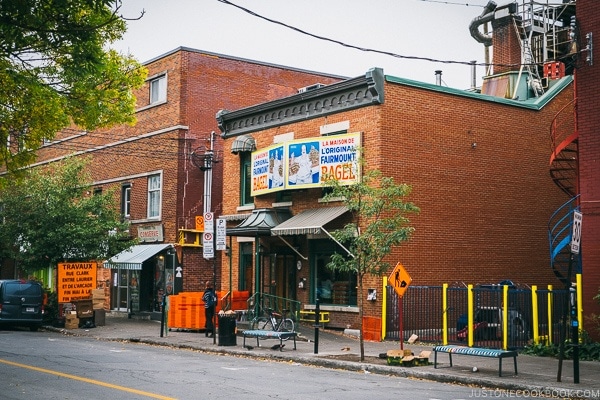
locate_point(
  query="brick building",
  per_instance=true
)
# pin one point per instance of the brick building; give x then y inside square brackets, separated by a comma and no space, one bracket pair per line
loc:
[477,163]
[154,165]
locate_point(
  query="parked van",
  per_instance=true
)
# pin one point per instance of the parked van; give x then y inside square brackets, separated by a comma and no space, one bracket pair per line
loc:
[21,304]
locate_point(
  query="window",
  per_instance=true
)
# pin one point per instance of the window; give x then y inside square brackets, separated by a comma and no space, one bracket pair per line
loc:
[246,179]
[126,201]
[154,192]
[158,89]
[333,287]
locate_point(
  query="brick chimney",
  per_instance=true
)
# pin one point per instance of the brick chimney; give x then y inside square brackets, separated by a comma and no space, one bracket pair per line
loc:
[506,43]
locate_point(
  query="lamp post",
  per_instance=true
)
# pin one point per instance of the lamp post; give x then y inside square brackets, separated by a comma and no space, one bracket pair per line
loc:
[204,161]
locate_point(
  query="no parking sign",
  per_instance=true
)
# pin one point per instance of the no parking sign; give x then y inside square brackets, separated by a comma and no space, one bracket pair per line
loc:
[576,237]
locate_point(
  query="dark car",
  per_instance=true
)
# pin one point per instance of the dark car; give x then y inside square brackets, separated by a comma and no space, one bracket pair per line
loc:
[21,304]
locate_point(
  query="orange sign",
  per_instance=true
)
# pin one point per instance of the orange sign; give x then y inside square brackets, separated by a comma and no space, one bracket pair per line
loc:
[76,280]
[399,279]
[200,223]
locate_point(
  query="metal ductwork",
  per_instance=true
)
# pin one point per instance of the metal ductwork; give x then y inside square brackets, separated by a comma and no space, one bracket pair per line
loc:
[486,16]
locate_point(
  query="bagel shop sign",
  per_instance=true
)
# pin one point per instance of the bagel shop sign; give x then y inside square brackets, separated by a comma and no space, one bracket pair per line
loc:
[306,163]
[76,281]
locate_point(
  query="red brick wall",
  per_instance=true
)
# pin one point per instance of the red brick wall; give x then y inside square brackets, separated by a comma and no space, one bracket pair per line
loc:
[588,88]
[506,45]
[484,210]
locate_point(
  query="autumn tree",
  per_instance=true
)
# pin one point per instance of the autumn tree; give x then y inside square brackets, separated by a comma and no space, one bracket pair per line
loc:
[379,223]
[56,70]
[52,215]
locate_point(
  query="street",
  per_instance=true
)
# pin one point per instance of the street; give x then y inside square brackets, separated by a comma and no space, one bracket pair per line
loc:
[49,365]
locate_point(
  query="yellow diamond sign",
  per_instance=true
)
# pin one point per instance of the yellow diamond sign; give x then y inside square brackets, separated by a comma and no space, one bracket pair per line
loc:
[399,279]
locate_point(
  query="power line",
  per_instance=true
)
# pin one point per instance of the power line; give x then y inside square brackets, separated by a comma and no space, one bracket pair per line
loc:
[366,49]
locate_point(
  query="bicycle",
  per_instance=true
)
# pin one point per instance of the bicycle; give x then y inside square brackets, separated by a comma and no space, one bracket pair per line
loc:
[274,321]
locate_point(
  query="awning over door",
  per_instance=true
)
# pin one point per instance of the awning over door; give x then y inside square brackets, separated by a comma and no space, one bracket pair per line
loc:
[134,257]
[260,222]
[309,221]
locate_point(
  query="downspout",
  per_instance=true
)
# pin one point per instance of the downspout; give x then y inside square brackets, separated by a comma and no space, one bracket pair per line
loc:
[486,16]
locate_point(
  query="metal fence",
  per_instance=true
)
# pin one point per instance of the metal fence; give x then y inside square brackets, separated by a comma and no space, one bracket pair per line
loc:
[443,314]
[258,304]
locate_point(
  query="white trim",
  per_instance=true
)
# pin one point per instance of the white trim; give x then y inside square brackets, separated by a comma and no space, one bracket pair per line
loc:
[107,146]
[335,127]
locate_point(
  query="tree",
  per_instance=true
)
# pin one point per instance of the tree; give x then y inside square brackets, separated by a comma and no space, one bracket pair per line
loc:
[378,224]
[56,72]
[53,215]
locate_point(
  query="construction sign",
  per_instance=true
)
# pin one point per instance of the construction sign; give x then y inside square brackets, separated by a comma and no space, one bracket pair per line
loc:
[76,281]
[399,279]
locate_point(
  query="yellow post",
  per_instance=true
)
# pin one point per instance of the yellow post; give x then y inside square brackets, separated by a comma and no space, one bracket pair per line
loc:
[384,308]
[579,304]
[470,311]
[505,317]
[550,329]
[445,314]
[534,311]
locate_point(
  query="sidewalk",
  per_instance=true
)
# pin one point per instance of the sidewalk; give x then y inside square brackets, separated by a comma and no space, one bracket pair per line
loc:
[537,375]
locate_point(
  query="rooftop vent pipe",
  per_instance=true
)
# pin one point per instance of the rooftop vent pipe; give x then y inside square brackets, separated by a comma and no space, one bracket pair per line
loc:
[438,77]
[486,16]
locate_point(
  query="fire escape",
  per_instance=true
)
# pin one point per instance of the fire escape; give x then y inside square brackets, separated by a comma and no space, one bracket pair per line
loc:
[548,34]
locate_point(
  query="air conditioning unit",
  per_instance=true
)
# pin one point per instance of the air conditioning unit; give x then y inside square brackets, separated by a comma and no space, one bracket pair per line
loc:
[311,87]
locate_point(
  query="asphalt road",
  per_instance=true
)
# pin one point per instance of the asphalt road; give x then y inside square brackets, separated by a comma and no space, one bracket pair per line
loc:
[49,365]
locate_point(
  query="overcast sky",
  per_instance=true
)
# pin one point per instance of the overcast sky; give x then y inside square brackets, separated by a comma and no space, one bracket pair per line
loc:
[431,29]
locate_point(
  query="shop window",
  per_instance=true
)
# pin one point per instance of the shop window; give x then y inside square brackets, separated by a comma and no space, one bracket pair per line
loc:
[332,287]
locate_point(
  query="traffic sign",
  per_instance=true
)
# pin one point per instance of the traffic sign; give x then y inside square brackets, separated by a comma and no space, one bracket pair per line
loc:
[221,234]
[400,279]
[200,223]
[208,248]
[576,237]
[209,222]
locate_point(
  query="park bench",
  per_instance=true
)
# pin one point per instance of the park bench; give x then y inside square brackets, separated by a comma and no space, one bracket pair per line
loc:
[260,334]
[475,351]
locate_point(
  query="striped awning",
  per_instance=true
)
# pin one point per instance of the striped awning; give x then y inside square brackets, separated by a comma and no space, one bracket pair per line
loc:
[134,257]
[260,222]
[243,143]
[308,221]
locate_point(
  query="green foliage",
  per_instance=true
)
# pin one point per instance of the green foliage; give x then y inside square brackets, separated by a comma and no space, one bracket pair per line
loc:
[588,349]
[50,215]
[379,222]
[56,71]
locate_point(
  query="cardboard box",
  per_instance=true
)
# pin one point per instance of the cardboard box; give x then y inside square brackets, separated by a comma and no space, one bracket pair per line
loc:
[84,308]
[72,323]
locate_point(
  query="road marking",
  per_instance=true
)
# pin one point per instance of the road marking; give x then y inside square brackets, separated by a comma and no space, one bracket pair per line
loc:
[92,381]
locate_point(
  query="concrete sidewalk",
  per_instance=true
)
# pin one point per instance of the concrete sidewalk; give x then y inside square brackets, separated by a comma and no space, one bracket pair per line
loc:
[537,375]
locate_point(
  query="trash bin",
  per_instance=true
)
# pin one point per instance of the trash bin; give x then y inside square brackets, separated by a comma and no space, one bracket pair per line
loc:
[227,336]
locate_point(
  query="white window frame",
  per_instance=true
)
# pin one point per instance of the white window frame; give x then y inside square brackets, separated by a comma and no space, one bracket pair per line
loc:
[126,201]
[154,196]
[158,89]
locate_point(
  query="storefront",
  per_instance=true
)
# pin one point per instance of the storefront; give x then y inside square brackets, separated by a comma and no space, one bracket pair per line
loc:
[141,276]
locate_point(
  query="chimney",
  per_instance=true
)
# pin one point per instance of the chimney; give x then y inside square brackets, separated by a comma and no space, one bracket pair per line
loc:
[438,77]
[505,41]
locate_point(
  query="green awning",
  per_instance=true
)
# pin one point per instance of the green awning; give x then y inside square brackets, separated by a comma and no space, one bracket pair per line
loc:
[134,257]
[308,221]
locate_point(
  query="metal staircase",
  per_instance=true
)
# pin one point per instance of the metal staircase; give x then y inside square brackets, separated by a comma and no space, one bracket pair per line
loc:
[564,172]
